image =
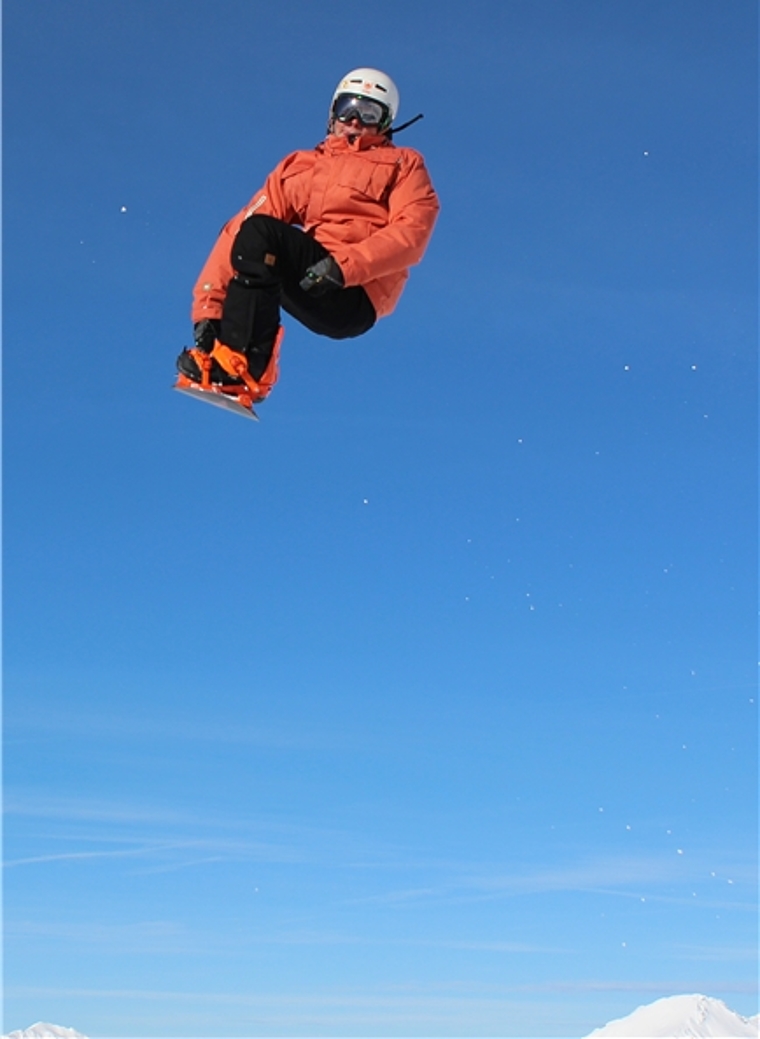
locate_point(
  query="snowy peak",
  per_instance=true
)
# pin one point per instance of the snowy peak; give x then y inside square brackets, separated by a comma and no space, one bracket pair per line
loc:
[677,1017]
[42,1030]
[681,1017]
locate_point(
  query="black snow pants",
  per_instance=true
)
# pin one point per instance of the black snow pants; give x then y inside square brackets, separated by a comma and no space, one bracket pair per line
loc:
[270,258]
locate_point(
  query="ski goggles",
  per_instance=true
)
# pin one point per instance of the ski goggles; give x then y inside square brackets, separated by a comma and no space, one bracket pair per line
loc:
[367,111]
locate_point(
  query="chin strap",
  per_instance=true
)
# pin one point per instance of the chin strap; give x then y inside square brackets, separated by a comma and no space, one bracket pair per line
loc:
[398,129]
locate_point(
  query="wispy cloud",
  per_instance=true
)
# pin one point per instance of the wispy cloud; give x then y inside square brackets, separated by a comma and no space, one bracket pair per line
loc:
[72,856]
[94,727]
[161,841]
[178,839]
[600,875]
[717,954]
[71,809]
[153,936]
[402,992]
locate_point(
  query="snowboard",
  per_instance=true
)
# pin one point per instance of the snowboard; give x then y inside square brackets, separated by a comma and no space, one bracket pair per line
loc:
[220,400]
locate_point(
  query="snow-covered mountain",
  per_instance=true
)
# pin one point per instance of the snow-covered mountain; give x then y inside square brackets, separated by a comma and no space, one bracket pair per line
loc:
[677,1017]
[42,1030]
[681,1017]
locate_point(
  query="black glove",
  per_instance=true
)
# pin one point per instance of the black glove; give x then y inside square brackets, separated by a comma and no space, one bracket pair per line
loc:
[322,277]
[206,333]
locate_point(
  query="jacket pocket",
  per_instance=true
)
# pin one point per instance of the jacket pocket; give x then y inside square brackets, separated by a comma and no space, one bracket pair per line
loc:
[368,179]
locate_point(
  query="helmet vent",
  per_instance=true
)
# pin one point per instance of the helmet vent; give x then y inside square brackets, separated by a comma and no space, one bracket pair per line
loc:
[369,86]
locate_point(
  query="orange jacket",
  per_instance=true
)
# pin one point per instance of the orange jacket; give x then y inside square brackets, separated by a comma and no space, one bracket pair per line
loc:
[369,203]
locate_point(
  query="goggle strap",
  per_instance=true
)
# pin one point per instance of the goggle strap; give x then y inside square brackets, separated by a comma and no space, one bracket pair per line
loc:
[397,129]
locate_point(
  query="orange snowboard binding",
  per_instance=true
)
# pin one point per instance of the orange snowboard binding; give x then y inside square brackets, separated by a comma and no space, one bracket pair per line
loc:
[241,396]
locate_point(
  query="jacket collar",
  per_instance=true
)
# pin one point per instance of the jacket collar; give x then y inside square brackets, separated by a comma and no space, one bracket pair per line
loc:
[337,145]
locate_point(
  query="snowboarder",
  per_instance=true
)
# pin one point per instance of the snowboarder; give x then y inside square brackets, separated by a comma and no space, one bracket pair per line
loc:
[329,238]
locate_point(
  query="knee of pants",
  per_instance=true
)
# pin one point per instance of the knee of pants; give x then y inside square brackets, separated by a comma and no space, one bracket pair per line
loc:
[254,248]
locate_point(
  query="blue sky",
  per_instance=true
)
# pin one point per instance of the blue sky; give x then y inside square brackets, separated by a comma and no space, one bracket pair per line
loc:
[426,707]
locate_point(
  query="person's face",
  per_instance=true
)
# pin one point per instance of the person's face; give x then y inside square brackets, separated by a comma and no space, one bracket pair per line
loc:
[353,128]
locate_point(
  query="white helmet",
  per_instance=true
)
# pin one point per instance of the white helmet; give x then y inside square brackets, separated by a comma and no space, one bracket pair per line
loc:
[370,83]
